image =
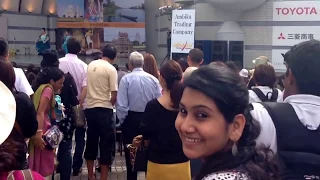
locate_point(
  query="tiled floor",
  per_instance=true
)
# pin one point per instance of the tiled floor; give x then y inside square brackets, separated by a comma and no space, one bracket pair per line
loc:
[118,171]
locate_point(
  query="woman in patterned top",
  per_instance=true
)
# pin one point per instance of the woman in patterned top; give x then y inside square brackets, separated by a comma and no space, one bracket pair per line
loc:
[215,125]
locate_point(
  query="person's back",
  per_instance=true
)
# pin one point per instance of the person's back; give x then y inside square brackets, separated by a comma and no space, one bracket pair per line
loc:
[100,72]
[194,60]
[291,129]
[265,79]
[72,64]
[142,87]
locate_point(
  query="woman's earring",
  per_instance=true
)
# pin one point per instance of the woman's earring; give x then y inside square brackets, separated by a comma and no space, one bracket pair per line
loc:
[234,149]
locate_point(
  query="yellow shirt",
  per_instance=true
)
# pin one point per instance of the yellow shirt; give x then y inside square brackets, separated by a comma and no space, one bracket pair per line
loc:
[102,80]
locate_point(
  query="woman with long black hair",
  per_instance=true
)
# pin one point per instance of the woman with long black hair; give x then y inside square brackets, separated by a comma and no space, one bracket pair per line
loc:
[214,124]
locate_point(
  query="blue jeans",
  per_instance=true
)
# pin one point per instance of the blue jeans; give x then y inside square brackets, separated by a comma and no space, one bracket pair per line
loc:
[78,153]
[65,159]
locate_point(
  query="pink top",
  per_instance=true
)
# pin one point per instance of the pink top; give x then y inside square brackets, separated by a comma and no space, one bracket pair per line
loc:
[42,161]
[19,176]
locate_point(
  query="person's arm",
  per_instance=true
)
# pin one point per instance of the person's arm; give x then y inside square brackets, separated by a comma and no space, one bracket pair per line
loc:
[147,124]
[26,115]
[113,86]
[83,92]
[122,104]
[268,135]
[45,101]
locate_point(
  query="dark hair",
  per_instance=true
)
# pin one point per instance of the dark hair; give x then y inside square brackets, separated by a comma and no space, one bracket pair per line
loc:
[46,75]
[73,45]
[196,55]
[127,66]
[218,63]
[7,75]
[14,64]
[232,66]
[183,64]
[303,61]
[231,96]
[150,65]
[171,72]
[109,51]
[264,75]
[3,48]
[9,150]
[116,66]
[50,58]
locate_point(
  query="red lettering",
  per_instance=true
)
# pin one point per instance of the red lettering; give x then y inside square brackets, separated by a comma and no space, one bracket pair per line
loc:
[300,11]
[285,11]
[292,10]
[313,11]
[307,10]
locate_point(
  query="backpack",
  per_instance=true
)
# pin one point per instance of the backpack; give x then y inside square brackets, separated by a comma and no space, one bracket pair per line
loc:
[265,98]
[300,160]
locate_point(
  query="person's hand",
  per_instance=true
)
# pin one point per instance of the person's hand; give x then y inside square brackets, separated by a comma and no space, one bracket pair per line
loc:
[38,141]
[137,141]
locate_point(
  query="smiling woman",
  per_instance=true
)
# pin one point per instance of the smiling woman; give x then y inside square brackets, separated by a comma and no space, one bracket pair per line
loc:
[215,125]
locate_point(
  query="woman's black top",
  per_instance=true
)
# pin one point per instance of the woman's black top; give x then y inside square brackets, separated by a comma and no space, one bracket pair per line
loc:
[158,126]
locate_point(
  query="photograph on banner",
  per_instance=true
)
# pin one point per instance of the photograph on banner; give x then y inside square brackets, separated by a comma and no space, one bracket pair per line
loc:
[123,11]
[70,10]
[277,60]
[292,35]
[182,31]
[296,11]
[126,40]
[93,10]
[91,40]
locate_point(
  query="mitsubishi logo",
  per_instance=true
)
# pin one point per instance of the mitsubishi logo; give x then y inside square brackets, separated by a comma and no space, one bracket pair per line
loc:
[281,36]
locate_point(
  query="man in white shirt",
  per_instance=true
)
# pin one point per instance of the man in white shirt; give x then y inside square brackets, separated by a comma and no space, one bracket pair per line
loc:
[195,59]
[21,83]
[78,69]
[295,138]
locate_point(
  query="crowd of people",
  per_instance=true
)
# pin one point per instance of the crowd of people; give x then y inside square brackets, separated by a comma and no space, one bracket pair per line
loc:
[184,120]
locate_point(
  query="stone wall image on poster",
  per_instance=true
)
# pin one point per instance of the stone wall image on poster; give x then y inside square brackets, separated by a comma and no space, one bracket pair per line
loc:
[123,11]
[93,10]
[70,10]
[126,40]
[91,39]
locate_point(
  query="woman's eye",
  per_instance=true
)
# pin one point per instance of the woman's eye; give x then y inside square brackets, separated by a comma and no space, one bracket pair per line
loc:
[183,111]
[201,115]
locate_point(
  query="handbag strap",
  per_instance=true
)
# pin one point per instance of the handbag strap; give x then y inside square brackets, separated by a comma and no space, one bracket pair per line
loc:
[25,173]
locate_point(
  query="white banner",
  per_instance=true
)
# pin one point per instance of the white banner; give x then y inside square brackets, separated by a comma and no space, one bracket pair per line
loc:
[292,35]
[277,60]
[182,33]
[296,11]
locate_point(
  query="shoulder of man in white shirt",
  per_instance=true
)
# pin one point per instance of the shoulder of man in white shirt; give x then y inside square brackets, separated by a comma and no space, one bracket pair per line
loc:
[268,135]
[22,84]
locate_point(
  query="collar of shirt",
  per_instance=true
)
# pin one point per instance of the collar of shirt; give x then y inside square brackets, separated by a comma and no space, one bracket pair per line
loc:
[71,56]
[303,99]
[262,87]
[137,69]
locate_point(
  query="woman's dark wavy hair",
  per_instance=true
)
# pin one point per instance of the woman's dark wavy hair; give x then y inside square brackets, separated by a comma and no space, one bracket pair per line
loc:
[46,75]
[225,88]
[10,149]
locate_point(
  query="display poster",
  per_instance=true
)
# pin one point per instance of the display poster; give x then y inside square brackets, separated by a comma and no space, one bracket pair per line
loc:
[182,31]
[117,22]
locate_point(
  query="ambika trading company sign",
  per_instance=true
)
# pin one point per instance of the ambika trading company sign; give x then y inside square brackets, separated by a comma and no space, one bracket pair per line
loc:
[296,11]
[182,33]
